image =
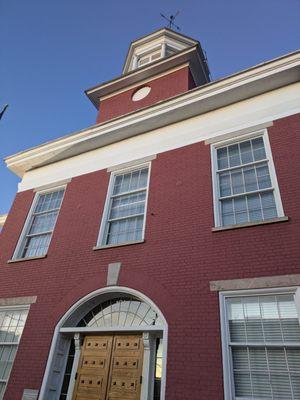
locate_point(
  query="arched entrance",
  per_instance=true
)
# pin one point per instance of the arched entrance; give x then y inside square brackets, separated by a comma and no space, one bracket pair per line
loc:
[110,344]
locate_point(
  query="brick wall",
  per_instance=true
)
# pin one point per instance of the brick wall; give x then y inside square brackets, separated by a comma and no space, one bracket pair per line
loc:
[161,89]
[173,267]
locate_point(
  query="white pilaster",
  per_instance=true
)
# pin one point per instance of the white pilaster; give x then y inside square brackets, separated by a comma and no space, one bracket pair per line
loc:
[148,367]
[78,342]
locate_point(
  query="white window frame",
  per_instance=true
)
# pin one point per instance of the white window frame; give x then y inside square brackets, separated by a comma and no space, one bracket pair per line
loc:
[226,355]
[149,54]
[101,237]
[22,238]
[215,181]
[17,344]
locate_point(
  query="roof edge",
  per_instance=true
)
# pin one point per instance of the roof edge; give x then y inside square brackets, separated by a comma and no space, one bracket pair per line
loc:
[23,161]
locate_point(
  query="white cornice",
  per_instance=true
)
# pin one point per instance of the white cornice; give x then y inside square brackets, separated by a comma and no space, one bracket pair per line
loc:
[2,219]
[254,81]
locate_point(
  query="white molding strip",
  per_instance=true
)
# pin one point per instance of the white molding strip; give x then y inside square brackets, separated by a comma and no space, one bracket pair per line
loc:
[243,131]
[256,283]
[52,185]
[132,163]
[17,301]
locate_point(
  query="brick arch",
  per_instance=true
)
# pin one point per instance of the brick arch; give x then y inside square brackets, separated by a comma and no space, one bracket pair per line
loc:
[160,296]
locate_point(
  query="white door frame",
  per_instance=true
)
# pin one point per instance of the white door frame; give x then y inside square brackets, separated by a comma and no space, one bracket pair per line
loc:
[60,329]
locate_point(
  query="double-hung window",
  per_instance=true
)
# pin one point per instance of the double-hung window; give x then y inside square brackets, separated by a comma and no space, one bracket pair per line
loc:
[245,187]
[261,345]
[36,235]
[124,216]
[12,321]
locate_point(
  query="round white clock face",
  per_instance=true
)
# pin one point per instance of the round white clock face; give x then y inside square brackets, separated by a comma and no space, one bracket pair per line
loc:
[141,93]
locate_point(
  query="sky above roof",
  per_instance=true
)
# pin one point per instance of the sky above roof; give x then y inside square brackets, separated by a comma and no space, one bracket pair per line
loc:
[51,51]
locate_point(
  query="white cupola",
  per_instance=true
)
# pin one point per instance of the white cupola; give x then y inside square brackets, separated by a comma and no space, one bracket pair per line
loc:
[156,46]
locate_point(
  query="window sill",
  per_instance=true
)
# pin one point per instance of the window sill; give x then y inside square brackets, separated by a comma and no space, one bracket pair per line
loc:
[109,246]
[25,259]
[248,224]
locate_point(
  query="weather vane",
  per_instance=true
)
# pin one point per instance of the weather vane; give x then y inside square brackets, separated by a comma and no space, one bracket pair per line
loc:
[171,24]
[3,110]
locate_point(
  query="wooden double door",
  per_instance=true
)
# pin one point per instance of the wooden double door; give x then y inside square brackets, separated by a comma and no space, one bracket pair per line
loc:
[110,368]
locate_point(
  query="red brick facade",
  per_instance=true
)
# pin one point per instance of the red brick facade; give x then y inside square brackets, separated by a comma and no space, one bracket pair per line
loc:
[173,267]
[162,88]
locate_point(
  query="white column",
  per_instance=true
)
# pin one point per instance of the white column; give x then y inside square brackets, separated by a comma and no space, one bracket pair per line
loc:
[134,62]
[78,342]
[148,367]
[163,50]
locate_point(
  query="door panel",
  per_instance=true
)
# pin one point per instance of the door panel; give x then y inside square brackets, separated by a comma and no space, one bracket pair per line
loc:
[93,368]
[126,368]
[110,368]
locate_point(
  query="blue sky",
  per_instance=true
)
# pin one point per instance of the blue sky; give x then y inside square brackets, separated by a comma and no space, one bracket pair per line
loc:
[51,51]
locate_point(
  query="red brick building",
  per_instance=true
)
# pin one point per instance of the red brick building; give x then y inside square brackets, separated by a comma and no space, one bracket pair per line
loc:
[155,255]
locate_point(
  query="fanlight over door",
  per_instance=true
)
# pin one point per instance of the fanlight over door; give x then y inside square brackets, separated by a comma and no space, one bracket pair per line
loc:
[121,312]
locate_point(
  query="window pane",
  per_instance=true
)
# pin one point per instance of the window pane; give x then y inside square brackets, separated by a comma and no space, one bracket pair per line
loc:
[7,355]
[222,156]
[131,181]
[240,207]
[268,205]
[125,230]
[2,388]
[250,179]
[234,155]
[49,201]
[264,180]
[36,245]
[237,182]
[128,205]
[227,212]
[43,222]
[11,325]
[254,207]
[263,319]
[266,372]
[225,184]
[258,149]
[246,152]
